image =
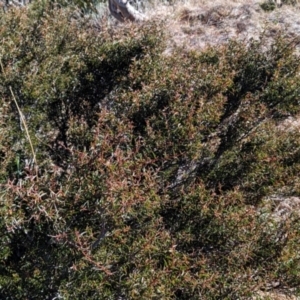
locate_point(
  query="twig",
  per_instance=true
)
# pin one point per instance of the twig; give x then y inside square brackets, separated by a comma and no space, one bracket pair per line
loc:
[24,123]
[21,115]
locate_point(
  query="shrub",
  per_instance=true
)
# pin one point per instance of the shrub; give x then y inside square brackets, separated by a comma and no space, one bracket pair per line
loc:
[151,171]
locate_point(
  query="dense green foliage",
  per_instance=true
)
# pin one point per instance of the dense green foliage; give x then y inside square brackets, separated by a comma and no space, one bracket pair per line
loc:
[151,172]
[270,5]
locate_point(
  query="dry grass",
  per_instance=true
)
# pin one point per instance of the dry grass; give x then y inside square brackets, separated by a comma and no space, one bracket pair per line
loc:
[197,24]
[282,207]
[274,296]
[290,124]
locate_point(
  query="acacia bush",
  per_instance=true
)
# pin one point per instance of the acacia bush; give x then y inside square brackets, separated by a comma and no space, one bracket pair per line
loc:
[148,174]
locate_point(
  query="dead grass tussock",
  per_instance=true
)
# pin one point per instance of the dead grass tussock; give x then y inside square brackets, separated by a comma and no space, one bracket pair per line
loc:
[274,296]
[197,24]
[290,124]
[282,207]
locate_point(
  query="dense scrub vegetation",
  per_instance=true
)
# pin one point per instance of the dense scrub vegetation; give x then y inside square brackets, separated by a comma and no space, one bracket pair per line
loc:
[129,174]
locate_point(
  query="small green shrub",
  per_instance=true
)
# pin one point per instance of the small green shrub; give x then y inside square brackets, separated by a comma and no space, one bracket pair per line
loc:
[151,171]
[268,5]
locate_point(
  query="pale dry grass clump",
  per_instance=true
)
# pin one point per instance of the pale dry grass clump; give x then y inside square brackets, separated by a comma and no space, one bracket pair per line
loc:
[197,24]
[290,124]
[274,296]
[282,207]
